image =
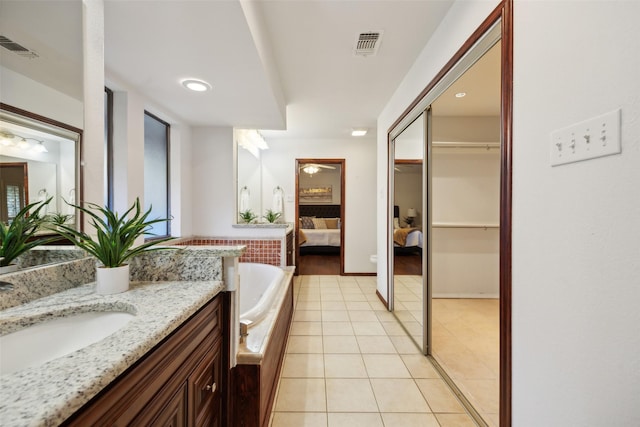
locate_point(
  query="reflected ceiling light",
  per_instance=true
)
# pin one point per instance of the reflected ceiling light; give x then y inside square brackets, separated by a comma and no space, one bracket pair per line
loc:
[196,85]
[23,144]
[251,140]
[311,169]
[40,148]
[461,94]
[358,132]
[6,139]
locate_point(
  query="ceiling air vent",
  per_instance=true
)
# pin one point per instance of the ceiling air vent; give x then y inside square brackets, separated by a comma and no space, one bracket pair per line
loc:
[16,48]
[367,43]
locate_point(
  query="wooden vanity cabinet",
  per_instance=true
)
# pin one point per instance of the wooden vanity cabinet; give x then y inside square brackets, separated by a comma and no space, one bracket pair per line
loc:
[180,382]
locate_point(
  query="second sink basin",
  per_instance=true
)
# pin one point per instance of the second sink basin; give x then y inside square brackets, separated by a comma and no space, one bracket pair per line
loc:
[42,342]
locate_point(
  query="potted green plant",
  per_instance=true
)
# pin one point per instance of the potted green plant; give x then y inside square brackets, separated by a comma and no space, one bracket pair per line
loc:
[247,216]
[57,218]
[20,235]
[272,216]
[113,243]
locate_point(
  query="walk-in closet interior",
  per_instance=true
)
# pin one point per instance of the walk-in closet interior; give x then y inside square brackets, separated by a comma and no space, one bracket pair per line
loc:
[451,305]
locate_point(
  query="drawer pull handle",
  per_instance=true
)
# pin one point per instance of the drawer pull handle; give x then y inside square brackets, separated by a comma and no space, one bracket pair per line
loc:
[211,388]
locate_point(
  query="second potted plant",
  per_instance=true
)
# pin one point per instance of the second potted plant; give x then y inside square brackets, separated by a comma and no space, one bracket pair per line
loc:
[113,242]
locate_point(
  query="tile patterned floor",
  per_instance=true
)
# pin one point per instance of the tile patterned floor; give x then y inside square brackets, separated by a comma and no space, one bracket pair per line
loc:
[349,363]
[466,341]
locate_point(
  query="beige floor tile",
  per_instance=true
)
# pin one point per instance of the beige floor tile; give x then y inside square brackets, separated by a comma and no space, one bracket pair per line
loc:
[363,316]
[337,328]
[385,366]
[358,305]
[309,296]
[303,366]
[419,366]
[368,328]
[439,397]
[301,395]
[335,316]
[384,316]
[309,305]
[306,328]
[344,366]
[398,395]
[409,420]
[404,344]
[359,297]
[376,345]
[340,344]
[337,296]
[455,420]
[307,316]
[299,419]
[350,395]
[351,419]
[333,305]
[305,344]
[393,328]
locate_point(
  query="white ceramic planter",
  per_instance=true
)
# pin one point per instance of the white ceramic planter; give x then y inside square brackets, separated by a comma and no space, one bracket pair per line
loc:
[112,280]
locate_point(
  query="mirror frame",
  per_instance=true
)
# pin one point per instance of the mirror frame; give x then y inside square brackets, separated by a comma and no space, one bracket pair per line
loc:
[35,121]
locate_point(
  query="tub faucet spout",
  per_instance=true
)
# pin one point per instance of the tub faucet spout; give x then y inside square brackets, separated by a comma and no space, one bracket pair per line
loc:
[244,329]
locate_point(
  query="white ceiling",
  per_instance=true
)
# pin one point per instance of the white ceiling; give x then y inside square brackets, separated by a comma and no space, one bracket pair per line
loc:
[259,56]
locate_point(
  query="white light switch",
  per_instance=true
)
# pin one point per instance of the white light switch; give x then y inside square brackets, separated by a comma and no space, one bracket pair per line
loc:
[596,137]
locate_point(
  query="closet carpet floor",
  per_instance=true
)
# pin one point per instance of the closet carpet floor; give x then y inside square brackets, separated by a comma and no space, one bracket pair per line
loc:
[349,363]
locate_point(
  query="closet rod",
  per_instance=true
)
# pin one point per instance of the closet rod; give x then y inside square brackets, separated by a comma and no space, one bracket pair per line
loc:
[463,225]
[451,144]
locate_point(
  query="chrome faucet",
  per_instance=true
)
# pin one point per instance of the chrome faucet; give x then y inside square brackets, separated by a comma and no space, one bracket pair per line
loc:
[6,286]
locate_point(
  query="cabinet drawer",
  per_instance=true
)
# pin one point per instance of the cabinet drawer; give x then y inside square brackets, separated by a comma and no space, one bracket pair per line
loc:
[205,389]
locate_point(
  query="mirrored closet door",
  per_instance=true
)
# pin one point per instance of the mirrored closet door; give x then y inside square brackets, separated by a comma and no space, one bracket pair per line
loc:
[451,308]
[409,215]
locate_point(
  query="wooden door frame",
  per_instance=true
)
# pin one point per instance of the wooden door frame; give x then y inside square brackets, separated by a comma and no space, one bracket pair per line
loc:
[340,162]
[503,13]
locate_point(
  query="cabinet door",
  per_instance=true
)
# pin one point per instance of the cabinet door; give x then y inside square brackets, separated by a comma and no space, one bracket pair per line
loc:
[168,409]
[205,389]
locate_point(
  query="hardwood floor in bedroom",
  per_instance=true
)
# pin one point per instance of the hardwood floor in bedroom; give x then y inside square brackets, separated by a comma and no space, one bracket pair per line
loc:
[319,265]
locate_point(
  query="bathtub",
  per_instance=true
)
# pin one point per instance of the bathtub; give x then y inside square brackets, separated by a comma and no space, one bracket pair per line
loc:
[266,305]
[259,286]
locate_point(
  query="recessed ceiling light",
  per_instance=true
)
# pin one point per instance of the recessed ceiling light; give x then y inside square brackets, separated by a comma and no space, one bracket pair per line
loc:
[461,94]
[196,85]
[358,132]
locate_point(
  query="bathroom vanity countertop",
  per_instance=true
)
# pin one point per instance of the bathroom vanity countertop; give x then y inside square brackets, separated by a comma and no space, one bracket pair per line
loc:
[48,394]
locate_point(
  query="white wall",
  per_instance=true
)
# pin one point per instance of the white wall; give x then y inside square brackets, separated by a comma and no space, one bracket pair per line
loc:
[576,228]
[27,94]
[576,262]
[279,166]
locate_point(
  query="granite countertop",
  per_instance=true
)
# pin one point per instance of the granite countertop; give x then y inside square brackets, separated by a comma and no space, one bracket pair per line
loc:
[48,394]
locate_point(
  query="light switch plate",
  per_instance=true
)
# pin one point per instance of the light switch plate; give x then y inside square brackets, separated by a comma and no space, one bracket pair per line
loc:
[596,137]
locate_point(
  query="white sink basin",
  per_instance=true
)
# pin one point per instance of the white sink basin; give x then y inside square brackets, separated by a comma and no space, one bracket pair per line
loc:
[42,342]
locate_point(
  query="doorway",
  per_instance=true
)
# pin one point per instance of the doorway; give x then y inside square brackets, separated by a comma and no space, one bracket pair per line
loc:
[320,207]
[14,190]
[442,162]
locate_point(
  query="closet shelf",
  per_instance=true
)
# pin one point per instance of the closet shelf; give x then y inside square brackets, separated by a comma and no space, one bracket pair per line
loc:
[451,144]
[463,225]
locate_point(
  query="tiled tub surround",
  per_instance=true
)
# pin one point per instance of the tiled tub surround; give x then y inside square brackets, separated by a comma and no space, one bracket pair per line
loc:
[262,251]
[167,288]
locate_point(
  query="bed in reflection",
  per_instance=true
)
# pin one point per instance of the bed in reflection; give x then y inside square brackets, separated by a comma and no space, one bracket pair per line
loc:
[406,240]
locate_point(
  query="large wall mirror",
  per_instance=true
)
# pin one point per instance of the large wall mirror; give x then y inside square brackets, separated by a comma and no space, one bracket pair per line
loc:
[39,160]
